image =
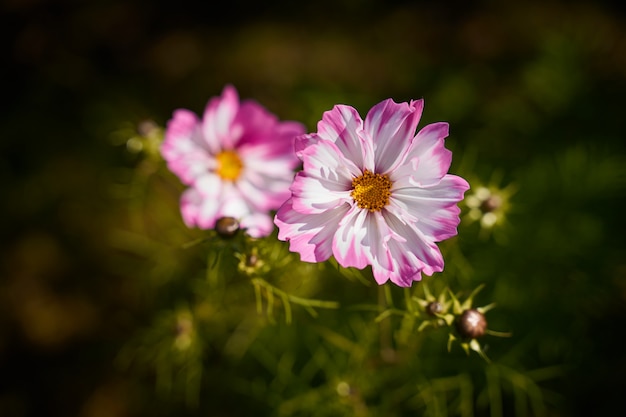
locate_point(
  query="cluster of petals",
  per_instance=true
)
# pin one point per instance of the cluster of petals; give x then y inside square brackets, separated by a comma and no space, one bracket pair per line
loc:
[237,161]
[372,192]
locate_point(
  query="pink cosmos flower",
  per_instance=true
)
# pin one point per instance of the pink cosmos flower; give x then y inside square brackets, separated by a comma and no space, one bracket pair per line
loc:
[374,193]
[238,161]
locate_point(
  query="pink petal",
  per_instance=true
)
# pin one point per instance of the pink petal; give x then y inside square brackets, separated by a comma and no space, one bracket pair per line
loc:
[311,235]
[406,269]
[343,126]
[285,135]
[218,118]
[314,195]
[325,161]
[328,179]
[184,149]
[232,202]
[304,141]
[427,159]
[435,207]
[348,243]
[257,225]
[378,235]
[401,275]
[264,192]
[414,251]
[197,210]
[255,120]
[209,186]
[260,128]
[391,127]
[181,126]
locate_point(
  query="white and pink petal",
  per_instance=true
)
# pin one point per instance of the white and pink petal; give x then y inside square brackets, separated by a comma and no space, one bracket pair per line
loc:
[314,195]
[349,246]
[218,118]
[198,211]
[391,127]
[310,235]
[257,225]
[427,160]
[435,207]
[343,126]
[418,250]
[183,148]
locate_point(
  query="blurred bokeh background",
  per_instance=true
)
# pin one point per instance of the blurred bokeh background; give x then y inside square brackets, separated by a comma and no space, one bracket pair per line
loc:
[93,276]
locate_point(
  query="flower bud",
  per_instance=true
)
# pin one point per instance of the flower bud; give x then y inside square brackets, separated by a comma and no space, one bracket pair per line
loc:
[183,332]
[492,203]
[433,308]
[147,127]
[471,324]
[226,226]
[251,263]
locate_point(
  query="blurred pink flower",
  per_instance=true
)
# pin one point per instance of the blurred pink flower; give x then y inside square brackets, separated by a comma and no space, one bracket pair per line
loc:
[238,161]
[374,193]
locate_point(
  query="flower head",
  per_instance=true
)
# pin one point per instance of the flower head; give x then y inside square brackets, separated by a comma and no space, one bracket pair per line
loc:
[489,206]
[237,160]
[371,192]
[470,324]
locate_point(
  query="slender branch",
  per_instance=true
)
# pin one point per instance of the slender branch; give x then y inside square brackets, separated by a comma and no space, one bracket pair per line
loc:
[287,298]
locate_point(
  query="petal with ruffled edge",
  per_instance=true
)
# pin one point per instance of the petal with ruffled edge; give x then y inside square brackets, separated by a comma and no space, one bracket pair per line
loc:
[217,121]
[267,174]
[224,195]
[304,141]
[254,123]
[326,179]
[261,129]
[412,252]
[264,191]
[343,126]
[286,133]
[184,149]
[314,195]
[435,207]
[197,210]
[390,127]
[427,160]
[310,235]
[257,225]
[232,203]
[349,246]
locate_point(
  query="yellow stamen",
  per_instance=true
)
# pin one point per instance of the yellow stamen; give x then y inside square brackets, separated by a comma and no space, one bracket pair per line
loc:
[371,191]
[229,165]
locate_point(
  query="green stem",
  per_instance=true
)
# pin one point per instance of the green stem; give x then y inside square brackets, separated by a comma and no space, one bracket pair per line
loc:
[307,303]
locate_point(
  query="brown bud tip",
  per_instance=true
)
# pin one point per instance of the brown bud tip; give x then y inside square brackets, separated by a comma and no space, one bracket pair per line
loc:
[252,260]
[434,308]
[491,204]
[146,127]
[226,226]
[471,324]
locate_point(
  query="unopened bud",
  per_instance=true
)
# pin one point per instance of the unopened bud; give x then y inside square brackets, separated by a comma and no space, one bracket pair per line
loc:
[146,127]
[433,308]
[471,324]
[183,332]
[491,204]
[226,226]
[252,260]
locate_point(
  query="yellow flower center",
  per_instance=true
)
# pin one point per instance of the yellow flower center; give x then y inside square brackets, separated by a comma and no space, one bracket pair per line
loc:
[371,191]
[229,165]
